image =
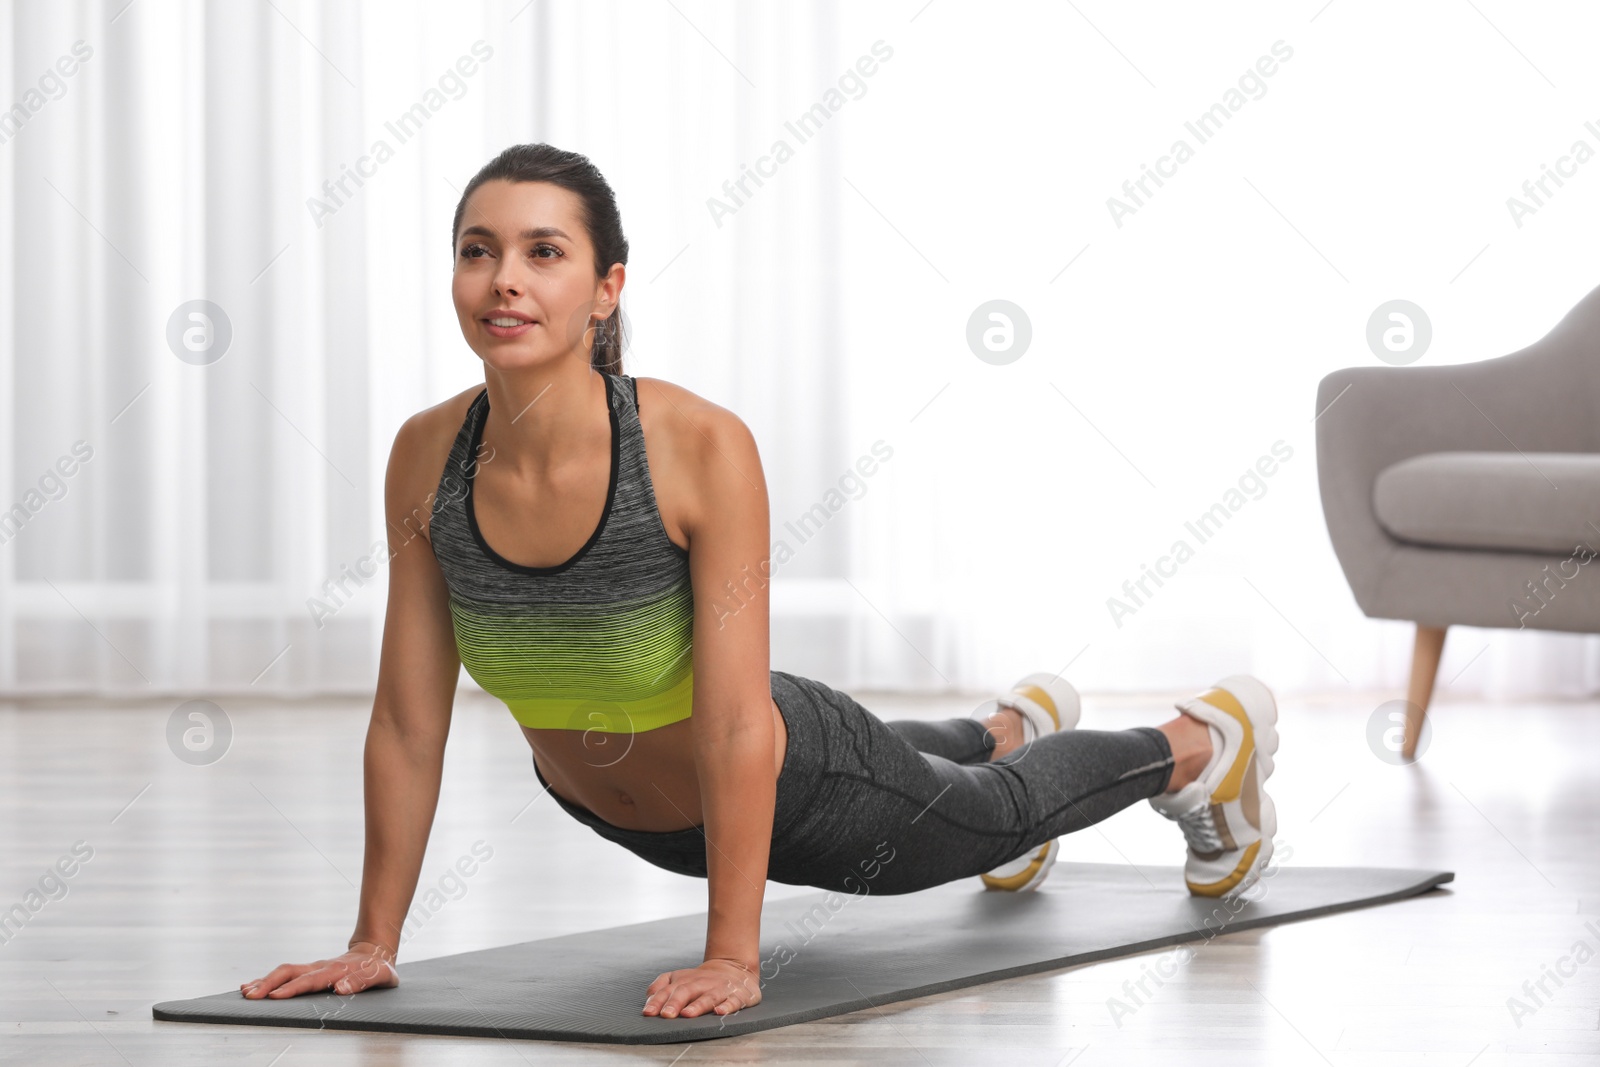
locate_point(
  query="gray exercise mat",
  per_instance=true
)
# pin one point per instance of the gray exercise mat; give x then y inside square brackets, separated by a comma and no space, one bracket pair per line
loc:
[825,954]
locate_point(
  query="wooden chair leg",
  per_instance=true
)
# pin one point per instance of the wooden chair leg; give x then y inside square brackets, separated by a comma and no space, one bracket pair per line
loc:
[1425,655]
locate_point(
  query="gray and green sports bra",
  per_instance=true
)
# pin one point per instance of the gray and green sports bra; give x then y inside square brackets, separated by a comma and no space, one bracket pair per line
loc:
[600,642]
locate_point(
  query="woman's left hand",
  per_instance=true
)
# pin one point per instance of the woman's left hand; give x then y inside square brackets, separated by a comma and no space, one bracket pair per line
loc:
[719,985]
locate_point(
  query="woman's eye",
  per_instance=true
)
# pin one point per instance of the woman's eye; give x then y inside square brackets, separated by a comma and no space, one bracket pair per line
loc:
[468,251]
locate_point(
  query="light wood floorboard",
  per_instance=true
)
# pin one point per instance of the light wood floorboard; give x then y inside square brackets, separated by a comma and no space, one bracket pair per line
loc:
[203,876]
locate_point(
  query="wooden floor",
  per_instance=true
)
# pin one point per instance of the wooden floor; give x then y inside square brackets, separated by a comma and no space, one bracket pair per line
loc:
[202,876]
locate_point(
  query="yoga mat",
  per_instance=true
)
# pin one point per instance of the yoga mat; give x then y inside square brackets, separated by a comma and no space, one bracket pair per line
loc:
[823,954]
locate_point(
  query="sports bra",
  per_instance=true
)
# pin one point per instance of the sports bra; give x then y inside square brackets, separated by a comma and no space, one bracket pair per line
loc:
[600,642]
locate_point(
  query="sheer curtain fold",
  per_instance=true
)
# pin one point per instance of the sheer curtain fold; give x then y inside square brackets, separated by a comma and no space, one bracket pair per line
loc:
[227,284]
[274,183]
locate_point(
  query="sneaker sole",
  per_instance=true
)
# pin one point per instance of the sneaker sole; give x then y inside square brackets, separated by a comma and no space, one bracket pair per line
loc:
[1034,867]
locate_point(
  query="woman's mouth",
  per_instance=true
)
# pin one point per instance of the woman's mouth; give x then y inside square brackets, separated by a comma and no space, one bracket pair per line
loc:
[507,326]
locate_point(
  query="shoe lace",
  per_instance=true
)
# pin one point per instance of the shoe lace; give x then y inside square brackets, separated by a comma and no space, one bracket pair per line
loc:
[1200,830]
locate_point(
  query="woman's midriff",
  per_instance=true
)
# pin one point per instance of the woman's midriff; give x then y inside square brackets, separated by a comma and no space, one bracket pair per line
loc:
[643,781]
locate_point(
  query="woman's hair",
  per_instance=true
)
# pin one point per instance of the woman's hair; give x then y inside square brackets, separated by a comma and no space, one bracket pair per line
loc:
[597,210]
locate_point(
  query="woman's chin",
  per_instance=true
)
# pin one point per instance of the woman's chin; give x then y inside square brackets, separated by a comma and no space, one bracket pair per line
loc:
[507,357]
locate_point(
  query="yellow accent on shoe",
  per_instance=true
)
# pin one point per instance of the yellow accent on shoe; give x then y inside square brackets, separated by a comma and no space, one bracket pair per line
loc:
[1234,781]
[1043,699]
[1032,873]
[1216,889]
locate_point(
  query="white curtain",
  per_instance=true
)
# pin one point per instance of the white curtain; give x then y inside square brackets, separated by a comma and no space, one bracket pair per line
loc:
[818,197]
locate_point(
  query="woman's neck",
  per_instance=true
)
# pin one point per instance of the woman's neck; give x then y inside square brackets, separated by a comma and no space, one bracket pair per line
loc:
[546,418]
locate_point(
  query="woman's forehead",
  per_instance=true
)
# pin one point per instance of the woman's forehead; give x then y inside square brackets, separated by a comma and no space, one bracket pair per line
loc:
[525,204]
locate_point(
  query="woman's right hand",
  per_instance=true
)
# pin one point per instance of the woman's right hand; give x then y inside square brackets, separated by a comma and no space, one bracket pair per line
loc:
[365,966]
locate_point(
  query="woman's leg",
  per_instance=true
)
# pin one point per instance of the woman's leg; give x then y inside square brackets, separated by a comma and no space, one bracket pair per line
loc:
[957,740]
[965,739]
[881,816]
[859,809]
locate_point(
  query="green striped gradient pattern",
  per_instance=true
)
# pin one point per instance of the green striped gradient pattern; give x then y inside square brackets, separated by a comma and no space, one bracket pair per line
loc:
[621,668]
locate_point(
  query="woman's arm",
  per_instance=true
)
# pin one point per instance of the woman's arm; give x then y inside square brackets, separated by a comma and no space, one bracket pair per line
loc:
[417,674]
[404,755]
[732,719]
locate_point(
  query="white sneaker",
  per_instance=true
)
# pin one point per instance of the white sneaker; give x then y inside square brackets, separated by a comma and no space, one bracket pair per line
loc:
[1026,871]
[1225,814]
[1047,703]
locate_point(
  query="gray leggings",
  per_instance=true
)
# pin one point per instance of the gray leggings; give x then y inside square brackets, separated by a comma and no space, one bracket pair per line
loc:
[865,805]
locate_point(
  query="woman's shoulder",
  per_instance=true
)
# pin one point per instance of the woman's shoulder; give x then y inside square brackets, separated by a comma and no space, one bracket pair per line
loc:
[433,429]
[692,422]
[442,418]
[422,448]
[695,447]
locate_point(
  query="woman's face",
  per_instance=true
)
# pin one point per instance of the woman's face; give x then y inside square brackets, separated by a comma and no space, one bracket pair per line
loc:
[523,254]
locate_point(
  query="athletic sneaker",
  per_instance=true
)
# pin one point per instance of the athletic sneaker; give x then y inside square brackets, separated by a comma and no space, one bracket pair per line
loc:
[1047,703]
[1226,815]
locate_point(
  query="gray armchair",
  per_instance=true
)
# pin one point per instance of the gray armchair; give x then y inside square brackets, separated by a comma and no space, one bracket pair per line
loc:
[1469,494]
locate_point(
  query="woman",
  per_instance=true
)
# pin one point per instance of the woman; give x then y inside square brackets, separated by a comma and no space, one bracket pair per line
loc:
[626,629]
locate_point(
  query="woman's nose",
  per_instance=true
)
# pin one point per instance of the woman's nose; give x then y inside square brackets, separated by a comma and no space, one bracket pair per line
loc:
[507,281]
